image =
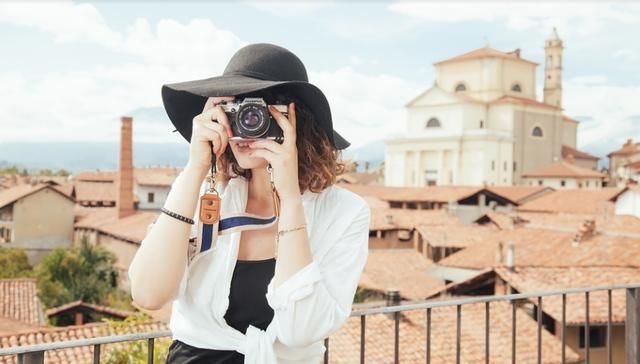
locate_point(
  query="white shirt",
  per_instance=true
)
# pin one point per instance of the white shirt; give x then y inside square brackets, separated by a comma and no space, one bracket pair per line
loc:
[308,306]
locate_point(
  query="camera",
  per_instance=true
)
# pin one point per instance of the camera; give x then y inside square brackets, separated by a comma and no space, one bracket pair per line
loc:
[250,119]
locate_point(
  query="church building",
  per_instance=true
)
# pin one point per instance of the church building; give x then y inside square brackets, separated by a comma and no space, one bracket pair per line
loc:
[480,123]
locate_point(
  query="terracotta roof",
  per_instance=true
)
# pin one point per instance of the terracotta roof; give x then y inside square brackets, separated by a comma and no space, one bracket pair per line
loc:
[112,311]
[486,52]
[615,224]
[564,168]
[153,176]
[532,247]
[519,194]
[392,219]
[522,101]
[19,300]
[413,194]
[633,165]
[627,148]
[132,228]
[567,150]
[344,345]
[82,354]
[566,118]
[12,194]
[9,326]
[576,201]
[403,269]
[95,191]
[460,236]
[363,178]
[535,279]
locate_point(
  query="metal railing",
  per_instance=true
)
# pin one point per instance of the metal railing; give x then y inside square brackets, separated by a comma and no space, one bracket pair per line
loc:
[34,354]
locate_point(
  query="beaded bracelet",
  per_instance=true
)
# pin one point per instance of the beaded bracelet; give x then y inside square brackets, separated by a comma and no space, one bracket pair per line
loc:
[177,216]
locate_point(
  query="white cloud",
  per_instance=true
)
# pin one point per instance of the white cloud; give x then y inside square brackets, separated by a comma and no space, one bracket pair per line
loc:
[365,107]
[586,18]
[292,8]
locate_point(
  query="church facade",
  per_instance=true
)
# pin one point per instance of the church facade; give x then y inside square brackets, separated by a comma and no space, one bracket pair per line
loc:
[481,123]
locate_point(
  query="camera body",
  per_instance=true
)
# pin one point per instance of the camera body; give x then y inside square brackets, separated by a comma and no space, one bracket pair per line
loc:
[250,119]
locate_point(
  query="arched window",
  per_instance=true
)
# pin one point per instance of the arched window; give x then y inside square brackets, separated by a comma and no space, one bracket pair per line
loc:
[549,59]
[537,132]
[461,87]
[433,123]
[516,87]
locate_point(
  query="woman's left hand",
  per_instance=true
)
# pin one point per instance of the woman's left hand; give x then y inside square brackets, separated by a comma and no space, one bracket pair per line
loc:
[282,157]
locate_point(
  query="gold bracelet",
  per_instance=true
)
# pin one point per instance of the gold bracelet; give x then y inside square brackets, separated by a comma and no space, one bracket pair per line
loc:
[282,232]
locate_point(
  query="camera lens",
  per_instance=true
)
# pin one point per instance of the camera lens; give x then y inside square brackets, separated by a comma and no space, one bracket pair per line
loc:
[252,121]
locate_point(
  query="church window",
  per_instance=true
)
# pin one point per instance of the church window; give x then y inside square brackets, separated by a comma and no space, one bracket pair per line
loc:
[537,132]
[549,60]
[433,123]
[461,87]
[516,87]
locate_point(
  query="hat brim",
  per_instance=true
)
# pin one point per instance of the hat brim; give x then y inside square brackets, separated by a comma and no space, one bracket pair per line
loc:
[184,100]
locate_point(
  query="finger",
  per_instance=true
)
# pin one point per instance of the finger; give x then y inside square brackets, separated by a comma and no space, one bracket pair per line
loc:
[217,114]
[268,144]
[292,116]
[263,153]
[212,136]
[285,125]
[221,130]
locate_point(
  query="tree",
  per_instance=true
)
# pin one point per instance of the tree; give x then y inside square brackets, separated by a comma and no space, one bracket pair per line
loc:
[14,263]
[134,352]
[81,273]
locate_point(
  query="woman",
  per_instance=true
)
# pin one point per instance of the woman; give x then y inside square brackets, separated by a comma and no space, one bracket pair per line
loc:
[276,280]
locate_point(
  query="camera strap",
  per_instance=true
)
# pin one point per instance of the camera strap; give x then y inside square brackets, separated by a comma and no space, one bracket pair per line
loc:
[210,200]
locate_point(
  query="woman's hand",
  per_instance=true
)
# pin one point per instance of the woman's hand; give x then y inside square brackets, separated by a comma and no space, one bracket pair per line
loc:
[209,127]
[282,157]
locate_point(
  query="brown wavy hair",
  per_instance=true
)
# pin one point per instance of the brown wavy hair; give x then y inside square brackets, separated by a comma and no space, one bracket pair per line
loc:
[318,161]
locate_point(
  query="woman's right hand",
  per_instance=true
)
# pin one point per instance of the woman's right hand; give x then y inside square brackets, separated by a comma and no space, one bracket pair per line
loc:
[210,126]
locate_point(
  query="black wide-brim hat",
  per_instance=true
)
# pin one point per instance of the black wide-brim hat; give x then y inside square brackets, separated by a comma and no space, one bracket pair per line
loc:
[253,68]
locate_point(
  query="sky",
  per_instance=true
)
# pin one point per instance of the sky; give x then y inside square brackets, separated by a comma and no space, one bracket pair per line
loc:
[70,70]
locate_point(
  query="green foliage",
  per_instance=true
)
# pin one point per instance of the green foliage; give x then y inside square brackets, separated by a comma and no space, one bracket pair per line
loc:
[14,263]
[134,352]
[81,273]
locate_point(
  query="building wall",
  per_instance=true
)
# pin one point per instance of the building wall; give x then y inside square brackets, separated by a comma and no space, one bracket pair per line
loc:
[585,183]
[628,203]
[587,163]
[531,153]
[42,222]
[569,133]
[488,78]
[160,196]
[388,239]
[598,355]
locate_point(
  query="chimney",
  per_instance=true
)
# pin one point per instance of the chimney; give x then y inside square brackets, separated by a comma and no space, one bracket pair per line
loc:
[124,199]
[586,231]
[510,255]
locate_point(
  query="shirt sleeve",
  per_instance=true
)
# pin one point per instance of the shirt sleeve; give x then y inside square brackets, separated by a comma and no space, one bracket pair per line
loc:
[316,300]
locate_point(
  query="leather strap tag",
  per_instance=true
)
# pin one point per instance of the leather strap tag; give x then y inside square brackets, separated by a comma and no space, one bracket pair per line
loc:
[209,208]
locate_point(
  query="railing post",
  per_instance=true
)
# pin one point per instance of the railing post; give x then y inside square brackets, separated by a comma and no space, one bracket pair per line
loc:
[632,326]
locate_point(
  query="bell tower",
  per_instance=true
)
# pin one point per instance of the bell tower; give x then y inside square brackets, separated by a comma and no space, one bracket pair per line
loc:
[553,70]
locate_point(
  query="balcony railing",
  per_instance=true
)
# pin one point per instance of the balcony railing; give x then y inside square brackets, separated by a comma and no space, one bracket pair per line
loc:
[34,354]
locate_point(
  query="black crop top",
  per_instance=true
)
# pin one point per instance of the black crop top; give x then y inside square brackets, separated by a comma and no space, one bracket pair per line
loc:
[247,306]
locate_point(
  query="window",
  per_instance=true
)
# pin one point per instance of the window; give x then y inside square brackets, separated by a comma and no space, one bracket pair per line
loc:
[514,166]
[481,124]
[461,87]
[549,60]
[433,123]
[493,165]
[150,197]
[5,235]
[504,166]
[540,182]
[597,336]
[562,183]
[537,132]
[516,87]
